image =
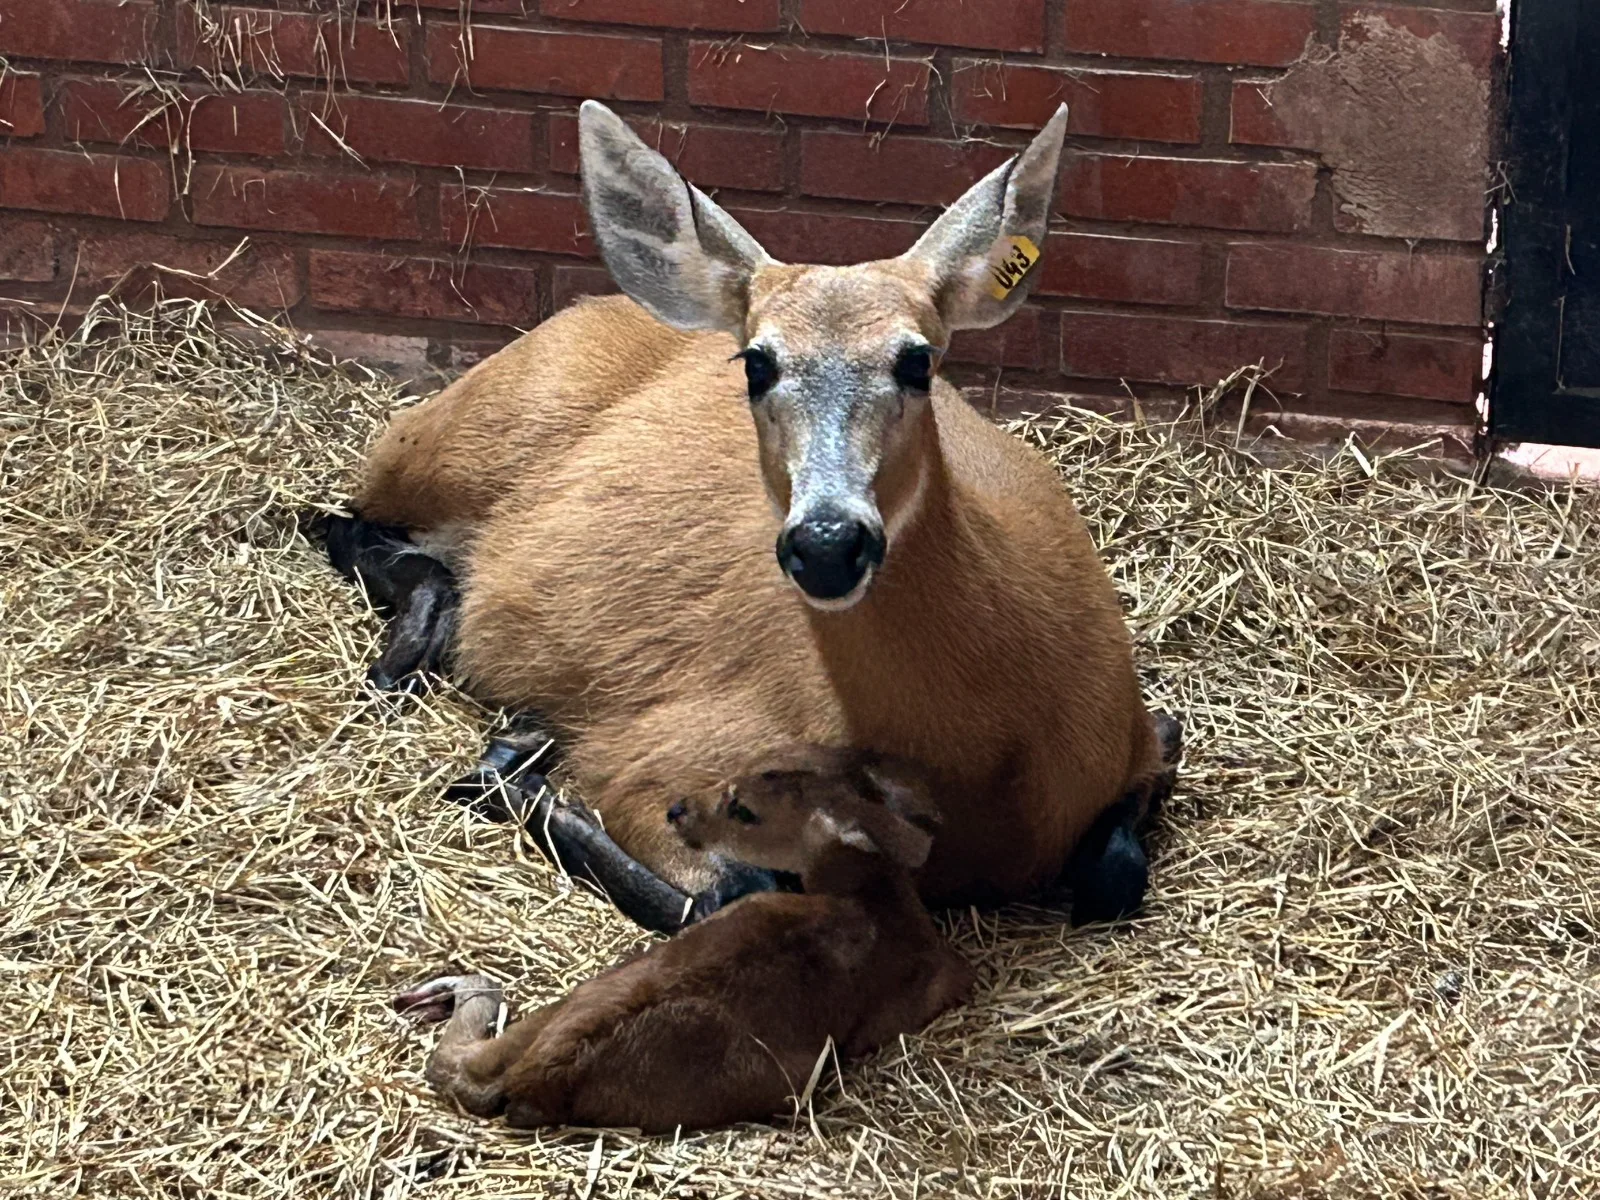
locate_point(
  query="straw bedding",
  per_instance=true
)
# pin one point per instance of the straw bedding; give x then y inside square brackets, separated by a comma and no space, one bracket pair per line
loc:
[1368,968]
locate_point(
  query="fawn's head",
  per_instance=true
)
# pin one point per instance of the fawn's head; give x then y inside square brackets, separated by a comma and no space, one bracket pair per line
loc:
[839,361]
[804,811]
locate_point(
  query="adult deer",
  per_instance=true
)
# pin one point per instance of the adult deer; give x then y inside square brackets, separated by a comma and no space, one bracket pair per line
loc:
[609,489]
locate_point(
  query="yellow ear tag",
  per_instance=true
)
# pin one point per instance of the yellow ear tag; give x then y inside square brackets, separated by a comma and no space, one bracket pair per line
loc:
[1009,263]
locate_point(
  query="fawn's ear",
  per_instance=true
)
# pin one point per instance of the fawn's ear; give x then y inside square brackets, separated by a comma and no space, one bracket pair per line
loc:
[668,245]
[903,790]
[983,250]
[894,837]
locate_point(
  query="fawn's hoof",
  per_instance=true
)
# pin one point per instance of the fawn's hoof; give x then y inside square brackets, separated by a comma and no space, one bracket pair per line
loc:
[436,1000]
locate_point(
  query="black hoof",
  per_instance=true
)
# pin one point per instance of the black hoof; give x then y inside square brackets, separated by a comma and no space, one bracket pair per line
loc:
[1111,886]
[501,786]
[356,546]
[491,796]
[1169,734]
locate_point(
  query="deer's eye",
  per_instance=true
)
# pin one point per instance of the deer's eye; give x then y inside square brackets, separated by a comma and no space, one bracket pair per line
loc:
[760,371]
[914,368]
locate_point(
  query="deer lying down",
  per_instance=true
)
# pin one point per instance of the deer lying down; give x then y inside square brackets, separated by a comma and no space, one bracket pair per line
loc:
[725,1022]
[737,509]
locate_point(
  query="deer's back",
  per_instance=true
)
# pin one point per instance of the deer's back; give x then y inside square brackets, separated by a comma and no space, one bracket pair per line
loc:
[447,461]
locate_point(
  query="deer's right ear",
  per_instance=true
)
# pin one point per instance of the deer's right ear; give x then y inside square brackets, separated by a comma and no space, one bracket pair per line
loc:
[667,244]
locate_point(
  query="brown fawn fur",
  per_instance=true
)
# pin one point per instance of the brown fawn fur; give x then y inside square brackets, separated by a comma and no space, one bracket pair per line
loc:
[611,511]
[726,1021]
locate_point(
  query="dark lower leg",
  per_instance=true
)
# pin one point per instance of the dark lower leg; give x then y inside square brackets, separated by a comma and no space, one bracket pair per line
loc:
[1109,872]
[572,837]
[416,589]
[1169,734]
[420,635]
[522,754]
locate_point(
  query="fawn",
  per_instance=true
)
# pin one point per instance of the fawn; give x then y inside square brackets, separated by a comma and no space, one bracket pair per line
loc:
[726,1021]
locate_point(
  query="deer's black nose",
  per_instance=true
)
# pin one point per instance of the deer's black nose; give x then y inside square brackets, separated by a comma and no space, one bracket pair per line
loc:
[827,556]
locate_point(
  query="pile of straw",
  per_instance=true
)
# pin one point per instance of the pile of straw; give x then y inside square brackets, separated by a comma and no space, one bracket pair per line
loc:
[1368,968]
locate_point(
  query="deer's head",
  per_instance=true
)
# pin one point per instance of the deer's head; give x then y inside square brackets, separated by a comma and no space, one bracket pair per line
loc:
[840,362]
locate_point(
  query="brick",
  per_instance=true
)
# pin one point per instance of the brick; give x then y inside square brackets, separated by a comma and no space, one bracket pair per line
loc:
[812,83]
[21,105]
[1254,121]
[1397,364]
[603,66]
[1019,342]
[238,123]
[710,156]
[1384,424]
[28,251]
[304,45]
[423,288]
[1183,191]
[1014,25]
[736,16]
[1118,104]
[1428,289]
[79,30]
[573,282]
[404,358]
[808,237]
[256,277]
[1264,33]
[1131,270]
[1178,350]
[97,185]
[388,129]
[517,219]
[479,7]
[909,170]
[1476,35]
[306,202]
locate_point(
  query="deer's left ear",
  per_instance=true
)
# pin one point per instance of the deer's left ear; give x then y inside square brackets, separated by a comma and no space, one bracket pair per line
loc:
[984,250]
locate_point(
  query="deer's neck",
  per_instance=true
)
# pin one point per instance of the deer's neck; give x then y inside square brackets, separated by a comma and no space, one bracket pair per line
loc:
[921,663]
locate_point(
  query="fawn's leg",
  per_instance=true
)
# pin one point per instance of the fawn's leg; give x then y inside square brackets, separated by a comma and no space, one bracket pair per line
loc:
[404,580]
[469,1063]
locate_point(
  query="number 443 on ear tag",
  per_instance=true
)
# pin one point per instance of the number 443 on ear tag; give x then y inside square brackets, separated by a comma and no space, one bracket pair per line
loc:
[1009,263]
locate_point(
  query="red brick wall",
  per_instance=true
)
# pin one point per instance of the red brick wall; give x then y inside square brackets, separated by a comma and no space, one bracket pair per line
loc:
[406,176]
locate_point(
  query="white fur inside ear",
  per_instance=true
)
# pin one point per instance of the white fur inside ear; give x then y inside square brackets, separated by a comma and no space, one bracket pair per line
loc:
[851,834]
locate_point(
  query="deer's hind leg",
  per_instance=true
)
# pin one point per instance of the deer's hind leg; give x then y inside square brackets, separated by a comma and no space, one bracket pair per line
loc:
[510,773]
[1109,871]
[414,587]
[470,1062]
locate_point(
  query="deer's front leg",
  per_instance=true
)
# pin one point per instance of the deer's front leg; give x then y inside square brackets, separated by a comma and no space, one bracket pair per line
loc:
[575,839]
